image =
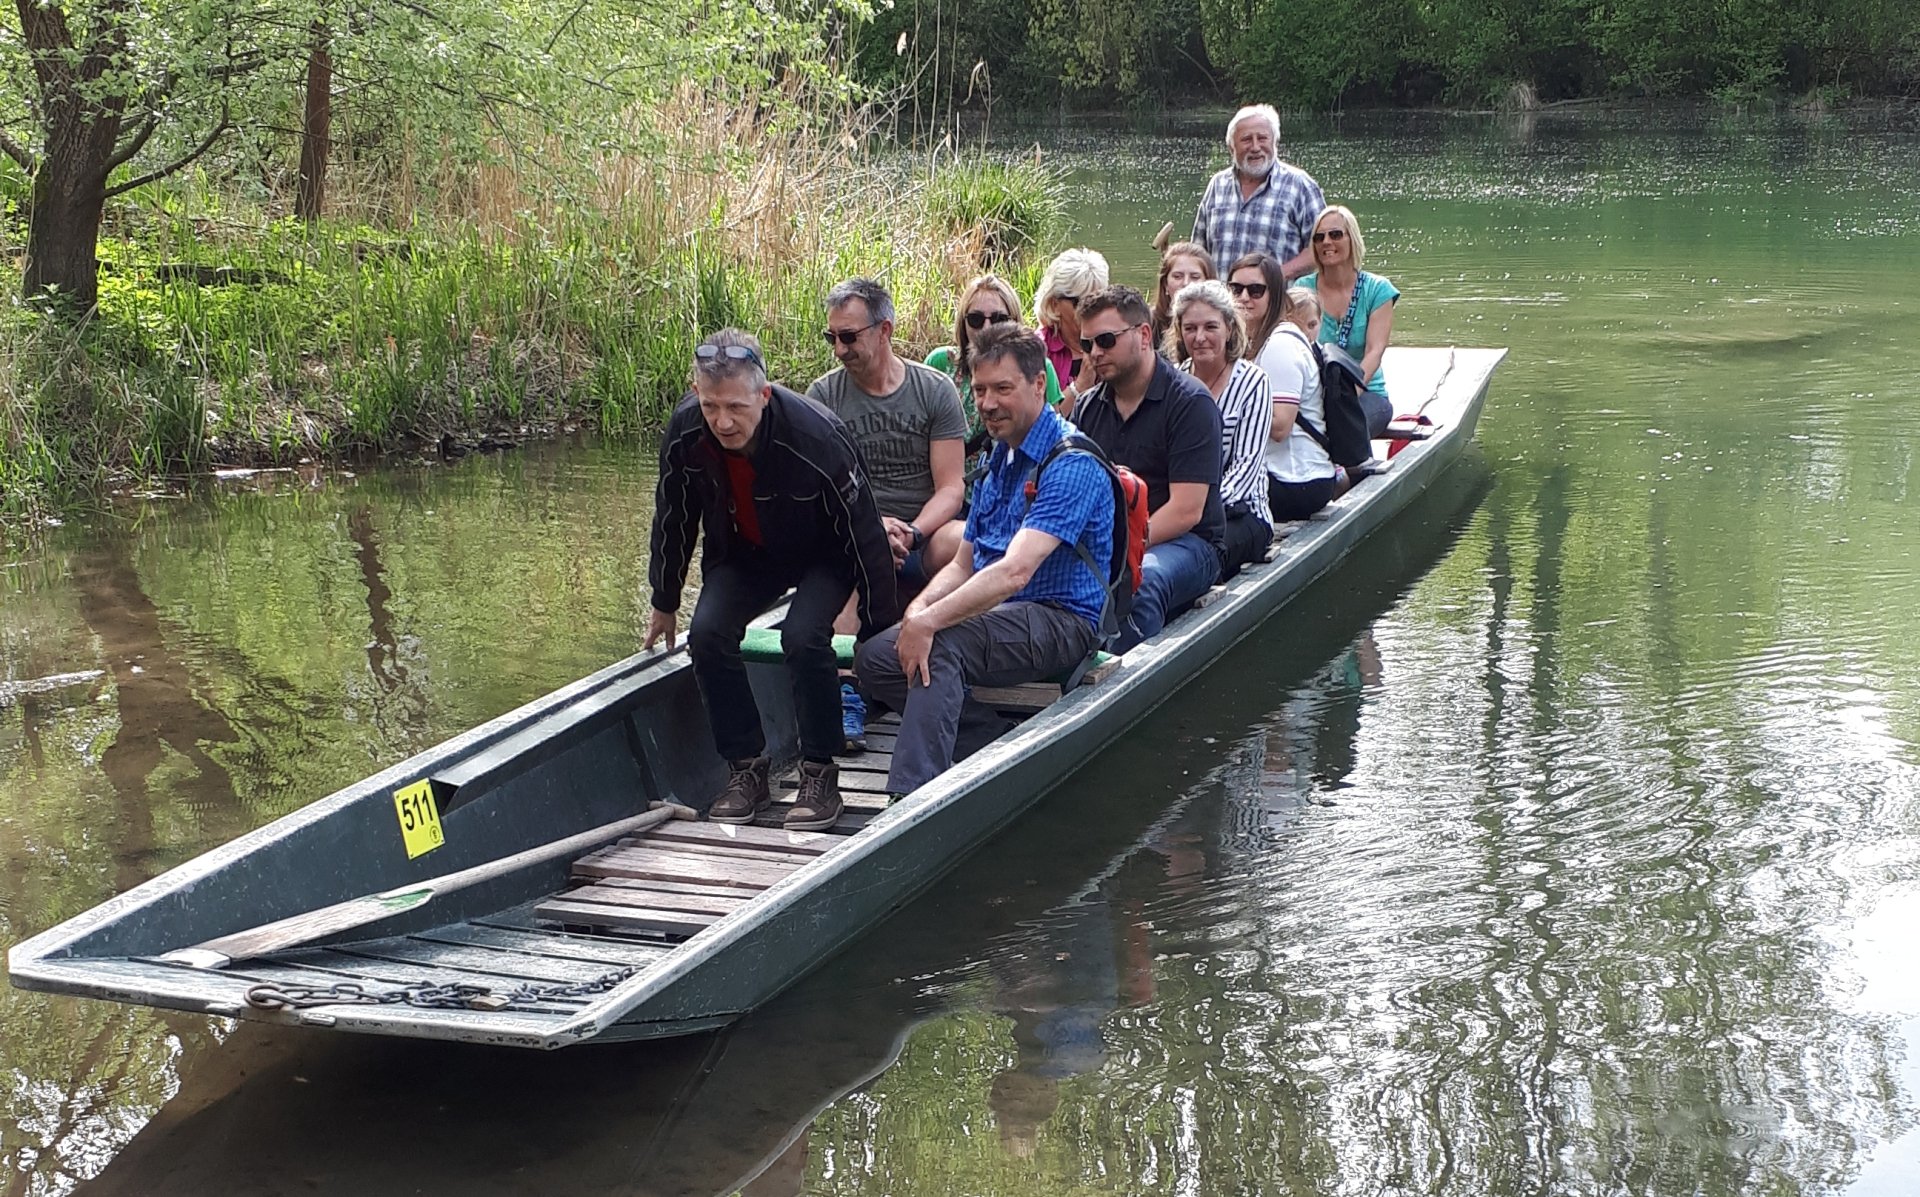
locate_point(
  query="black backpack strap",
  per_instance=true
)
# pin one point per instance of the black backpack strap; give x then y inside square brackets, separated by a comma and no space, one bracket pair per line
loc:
[1104,575]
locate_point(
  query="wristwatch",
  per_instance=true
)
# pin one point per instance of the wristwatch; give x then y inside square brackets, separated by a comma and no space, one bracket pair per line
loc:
[918,538]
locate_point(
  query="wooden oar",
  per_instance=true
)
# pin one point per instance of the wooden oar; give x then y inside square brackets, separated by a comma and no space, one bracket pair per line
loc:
[358,912]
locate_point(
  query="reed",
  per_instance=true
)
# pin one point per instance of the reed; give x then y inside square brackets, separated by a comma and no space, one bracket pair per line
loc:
[550,287]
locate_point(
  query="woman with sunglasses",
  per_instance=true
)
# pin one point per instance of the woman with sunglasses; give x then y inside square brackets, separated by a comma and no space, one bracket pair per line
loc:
[1056,305]
[1356,307]
[1183,264]
[988,301]
[1209,340]
[1301,478]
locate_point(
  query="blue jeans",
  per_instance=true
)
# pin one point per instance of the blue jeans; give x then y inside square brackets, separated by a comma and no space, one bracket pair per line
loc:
[1172,576]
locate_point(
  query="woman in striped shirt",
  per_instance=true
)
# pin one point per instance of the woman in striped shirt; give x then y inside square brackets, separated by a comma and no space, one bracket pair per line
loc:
[1209,341]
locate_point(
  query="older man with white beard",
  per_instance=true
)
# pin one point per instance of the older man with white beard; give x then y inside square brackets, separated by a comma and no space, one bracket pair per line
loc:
[1259,204]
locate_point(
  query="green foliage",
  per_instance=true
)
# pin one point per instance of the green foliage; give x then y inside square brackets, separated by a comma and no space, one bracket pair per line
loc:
[1004,211]
[1325,53]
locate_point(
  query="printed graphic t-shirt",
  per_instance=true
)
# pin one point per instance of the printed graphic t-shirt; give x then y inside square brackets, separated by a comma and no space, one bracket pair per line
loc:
[895,432]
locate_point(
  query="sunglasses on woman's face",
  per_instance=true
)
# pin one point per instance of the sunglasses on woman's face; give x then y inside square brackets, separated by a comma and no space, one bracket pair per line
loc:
[979,320]
[1330,235]
[1250,290]
[1105,340]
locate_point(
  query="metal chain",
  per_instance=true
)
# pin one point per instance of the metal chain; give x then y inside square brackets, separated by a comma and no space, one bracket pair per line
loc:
[427,995]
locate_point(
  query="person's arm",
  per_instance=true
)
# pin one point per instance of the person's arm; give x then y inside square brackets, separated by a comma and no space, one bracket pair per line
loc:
[950,578]
[976,594]
[862,537]
[1247,428]
[1286,409]
[1286,382]
[1186,503]
[676,525]
[1379,332]
[1300,264]
[949,461]
[1200,222]
[1193,465]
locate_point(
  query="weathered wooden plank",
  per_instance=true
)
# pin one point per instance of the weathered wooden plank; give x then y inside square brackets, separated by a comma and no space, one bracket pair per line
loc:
[679,866]
[722,849]
[546,942]
[681,887]
[800,843]
[1101,672]
[852,819]
[429,954]
[665,922]
[865,795]
[613,895]
[1034,696]
[1212,596]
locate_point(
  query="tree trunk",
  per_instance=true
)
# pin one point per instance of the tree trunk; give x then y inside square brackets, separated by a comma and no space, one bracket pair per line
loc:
[316,131]
[82,131]
[69,195]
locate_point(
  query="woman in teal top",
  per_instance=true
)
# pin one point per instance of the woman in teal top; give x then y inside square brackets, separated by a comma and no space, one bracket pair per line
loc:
[987,300]
[1356,308]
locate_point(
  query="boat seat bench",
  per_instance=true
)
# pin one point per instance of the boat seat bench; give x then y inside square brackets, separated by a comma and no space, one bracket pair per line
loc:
[762,646]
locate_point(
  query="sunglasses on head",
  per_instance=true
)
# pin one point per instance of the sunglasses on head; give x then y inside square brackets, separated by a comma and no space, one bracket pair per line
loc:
[979,320]
[733,353]
[1330,235]
[847,338]
[1250,290]
[1105,340]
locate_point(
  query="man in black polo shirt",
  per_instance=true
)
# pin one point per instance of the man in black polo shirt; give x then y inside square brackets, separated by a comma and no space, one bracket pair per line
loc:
[1162,424]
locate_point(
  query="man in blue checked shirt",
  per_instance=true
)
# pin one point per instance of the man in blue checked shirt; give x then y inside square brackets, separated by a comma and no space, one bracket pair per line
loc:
[1017,603]
[1259,204]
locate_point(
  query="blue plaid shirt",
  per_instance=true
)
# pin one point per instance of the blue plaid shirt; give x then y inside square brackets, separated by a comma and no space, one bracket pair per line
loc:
[1075,506]
[1277,220]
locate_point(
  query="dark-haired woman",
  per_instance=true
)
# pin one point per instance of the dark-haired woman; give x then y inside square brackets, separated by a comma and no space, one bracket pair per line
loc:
[1301,478]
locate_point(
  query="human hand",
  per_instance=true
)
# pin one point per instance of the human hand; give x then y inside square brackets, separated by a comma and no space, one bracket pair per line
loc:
[661,624]
[915,647]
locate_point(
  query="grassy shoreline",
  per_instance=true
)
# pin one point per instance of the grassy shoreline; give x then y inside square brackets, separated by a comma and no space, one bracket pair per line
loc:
[223,338]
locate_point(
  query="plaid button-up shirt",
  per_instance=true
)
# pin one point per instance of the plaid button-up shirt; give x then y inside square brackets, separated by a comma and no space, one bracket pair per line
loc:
[1278,219]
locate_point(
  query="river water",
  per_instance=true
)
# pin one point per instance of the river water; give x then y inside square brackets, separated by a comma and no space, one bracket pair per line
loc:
[1568,841]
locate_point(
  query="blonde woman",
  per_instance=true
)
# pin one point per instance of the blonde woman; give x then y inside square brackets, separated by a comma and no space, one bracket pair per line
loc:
[987,301]
[1075,273]
[1356,307]
[1209,340]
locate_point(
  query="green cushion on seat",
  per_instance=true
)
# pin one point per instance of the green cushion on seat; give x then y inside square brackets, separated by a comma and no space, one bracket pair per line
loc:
[762,645]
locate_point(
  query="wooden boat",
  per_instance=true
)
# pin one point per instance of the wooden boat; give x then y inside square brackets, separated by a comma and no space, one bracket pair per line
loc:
[690,925]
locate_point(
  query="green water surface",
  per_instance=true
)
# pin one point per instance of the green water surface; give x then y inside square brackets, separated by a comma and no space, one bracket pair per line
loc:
[1566,843]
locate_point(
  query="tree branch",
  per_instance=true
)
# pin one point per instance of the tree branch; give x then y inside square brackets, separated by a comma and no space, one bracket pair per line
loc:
[561,28]
[133,145]
[153,176]
[17,152]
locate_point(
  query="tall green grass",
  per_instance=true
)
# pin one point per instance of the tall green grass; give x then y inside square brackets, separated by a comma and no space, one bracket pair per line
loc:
[346,339]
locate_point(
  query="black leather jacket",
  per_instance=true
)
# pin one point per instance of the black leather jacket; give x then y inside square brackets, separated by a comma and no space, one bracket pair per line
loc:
[810,493]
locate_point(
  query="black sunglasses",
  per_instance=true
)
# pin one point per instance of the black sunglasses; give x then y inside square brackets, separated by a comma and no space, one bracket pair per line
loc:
[847,338]
[1106,340]
[1250,290]
[733,353]
[1330,235]
[1071,299]
[979,320]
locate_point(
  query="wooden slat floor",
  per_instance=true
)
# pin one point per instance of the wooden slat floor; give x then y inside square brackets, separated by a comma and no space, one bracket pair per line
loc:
[680,878]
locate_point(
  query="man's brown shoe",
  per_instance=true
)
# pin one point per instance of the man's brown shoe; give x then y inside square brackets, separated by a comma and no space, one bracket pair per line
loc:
[745,794]
[816,804]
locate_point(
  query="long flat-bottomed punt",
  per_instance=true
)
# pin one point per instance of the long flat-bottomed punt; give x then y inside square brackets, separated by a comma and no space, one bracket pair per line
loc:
[516,899]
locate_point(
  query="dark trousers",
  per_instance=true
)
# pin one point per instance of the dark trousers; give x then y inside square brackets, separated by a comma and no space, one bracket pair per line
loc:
[1379,411]
[732,593]
[1247,541]
[1012,644]
[1298,500]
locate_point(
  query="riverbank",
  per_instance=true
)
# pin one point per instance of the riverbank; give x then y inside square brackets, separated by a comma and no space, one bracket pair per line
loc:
[227,337]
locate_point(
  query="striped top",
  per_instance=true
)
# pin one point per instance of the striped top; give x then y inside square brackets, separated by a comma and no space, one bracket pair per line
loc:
[1246,419]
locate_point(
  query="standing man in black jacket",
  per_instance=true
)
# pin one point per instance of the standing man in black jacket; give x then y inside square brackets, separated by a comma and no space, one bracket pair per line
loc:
[778,486]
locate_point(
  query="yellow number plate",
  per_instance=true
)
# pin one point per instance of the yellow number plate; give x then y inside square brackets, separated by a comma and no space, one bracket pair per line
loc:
[419,818]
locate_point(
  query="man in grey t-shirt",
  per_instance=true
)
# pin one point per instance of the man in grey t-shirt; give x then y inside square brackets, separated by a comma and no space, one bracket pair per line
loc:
[907,420]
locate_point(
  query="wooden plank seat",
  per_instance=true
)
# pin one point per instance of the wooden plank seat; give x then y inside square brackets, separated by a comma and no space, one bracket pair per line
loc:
[762,646]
